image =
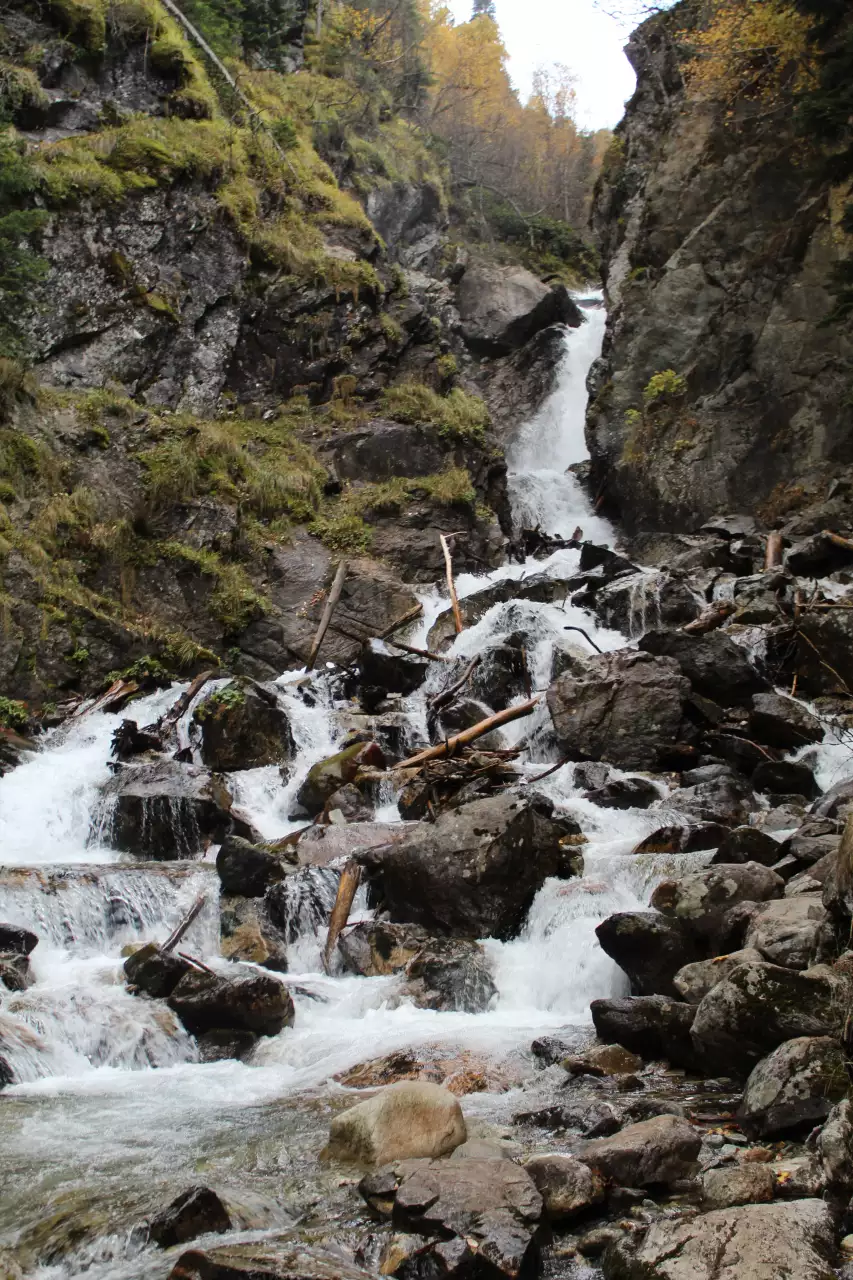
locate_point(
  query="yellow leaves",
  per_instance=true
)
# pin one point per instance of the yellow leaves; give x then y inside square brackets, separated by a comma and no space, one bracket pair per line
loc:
[750,49]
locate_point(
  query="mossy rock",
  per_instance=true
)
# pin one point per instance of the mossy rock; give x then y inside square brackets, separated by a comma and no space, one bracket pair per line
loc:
[242,726]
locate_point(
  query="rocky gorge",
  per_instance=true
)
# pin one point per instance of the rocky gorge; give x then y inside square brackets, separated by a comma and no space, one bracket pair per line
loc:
[507,937]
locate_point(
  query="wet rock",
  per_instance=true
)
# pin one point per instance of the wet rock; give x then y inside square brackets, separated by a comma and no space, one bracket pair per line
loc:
[625,708]
[682,839]
[242,726]
[654,1151]
[167,810]
[812,841]
[824,652]
[550,1049]
[245,869]
[816,557]
[796,1085]
[225,1044]
[451,974]
[748,844]
[320,845]
[782,722]
[694,981]
[741,754]
[129,740]
[247,932]
[837,802]
[392,672]
[722,797]
[701,899]
[404,1121]
[325,777]
[270,1258]
[591,1117]
[14,938]
[15,972]
[715,666]
[502,308]
[758,1006]
[153,973]
[601,1060]
[625,793]
[649,947]
[246,1002]
[347,804]
[475,870]
[567,1186]
[758,1241]
[500,677]
[788,932]
[835,1146]
[195,1212]
[651,1026]
[376,948]
[785,778]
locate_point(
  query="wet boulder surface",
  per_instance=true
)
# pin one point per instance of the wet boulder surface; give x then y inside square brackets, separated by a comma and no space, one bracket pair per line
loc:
[242,726]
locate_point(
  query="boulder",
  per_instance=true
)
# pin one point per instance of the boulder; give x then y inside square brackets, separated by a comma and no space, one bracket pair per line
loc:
[701,898]
[451,974]
[750,1242]
[785,778]
[651,1026]
[823,659]
[568,1187]
[714,664]
[694,981]
[649,947]
[245,869]
[15,974]
[475,870]
[659,1150]
[325,777]
[539,587]
[165,811]
[393,672]
[503,307]
[245,1002]
[376,948]
[714,795]
[500,677]
[623,707]
[196,1212]
[837,802]
[758,1006]
[225,1044]
[154,974]
[794,1086]
[410,1120]
[625,793]
[748,844]
[600,1060]
[269,1258]
[812,841]
[741,753]
[242,726]
[788,932]
[781,722]
[835,1147]
[347,804]
[247,932]
[17,940]
[320,845]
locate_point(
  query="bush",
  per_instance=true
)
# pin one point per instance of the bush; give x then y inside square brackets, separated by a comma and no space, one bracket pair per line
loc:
[13,715]
[664,386]
[458,415]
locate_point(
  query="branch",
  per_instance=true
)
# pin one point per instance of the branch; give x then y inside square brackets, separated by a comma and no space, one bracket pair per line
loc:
[450,745]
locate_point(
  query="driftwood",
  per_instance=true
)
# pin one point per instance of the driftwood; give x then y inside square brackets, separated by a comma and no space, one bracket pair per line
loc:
[118,693]
[846,543]
[418,653]
[548,772]
[175,937]
[408,616]
[710,618]
[171,718]
[588,639]
[451,585]
[450,745]
[197,964]
[334,597]
[349,882]
[447,695]
[773,552]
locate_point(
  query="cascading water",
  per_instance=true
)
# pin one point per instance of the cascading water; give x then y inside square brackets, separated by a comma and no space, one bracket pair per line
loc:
[91,1119]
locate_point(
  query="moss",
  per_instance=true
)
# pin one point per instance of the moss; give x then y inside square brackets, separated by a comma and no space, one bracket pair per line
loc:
[343,532]
[83,21]
[17,385]
[666,385]
[391,330]
[458,415]
[13,714]
[221,701]
[19,88]
[234,601]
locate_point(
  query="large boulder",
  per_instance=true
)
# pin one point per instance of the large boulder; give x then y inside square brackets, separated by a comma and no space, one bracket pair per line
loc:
[758,1006]
[246,869]
[242,726]
[714,794]
[501,308]
[788,932]
[694,981]
[475,870]
[782,722]
[376,948]
[165,811]
[654,1151]
[796,1085]
[835,1146]
[403,1121]
[17,940]
[451,974]
[715,666]
[623,707]
[752,1242]
[567,1186]
[153,972]
[649,947]
[247,932]
[251,1001]
[327,776]
[702,898]
[651,1026]
[744,1184]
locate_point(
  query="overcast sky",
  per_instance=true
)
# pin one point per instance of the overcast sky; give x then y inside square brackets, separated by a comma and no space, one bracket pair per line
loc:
[539,32]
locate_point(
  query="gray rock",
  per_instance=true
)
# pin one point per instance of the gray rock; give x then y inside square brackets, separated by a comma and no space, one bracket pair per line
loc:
[702,898]
[451,973]
[793,1086]
[376,948]
[722,797]
[785,778]
[246,1002]
[242,726]
[649,947]
[247,932]
[567,1186]
[743,1184]
[150,971]
[788,931]
[835,1146]
[501,308]
[749,844]
[715,666]
[326,776]
[193,1213]
[166,810]
[651,1026]
[245,869]
[270,1256]
[602,1060]
[654,1151]
[694,981]
[782,722]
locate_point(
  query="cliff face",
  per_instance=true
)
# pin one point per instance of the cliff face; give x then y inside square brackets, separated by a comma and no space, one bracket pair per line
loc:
[719,246]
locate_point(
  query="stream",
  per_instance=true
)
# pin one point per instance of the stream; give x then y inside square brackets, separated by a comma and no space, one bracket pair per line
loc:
[114,1115]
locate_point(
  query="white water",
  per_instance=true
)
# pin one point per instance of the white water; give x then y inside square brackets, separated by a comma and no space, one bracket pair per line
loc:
[106,1078]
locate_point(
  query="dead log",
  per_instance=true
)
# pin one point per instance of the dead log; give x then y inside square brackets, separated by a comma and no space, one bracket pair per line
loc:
[710,618]
[447,695]
[450,745]
[197,964]
[118,692]
[846,543]
[175,937]
[334,597]
[173,715]
[408,616]
[418,653]
[349,882]
[451,586]
[548,772]
[773,552]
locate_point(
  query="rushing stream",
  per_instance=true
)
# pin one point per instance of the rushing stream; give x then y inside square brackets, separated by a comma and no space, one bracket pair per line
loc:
[115,1115]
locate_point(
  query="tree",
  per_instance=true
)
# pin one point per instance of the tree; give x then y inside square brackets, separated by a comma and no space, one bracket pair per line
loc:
[484,9]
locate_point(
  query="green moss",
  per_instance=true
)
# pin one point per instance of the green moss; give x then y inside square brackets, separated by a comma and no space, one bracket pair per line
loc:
[13,715]
[19,88]
[458,415]
[17,385]
[391,330]
[343,532]
[222,700]
[7,491]
[83,21]
[143,670]
[664,386]
[80,656]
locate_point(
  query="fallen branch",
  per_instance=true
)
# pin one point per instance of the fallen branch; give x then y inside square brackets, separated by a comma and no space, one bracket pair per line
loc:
[773,552]
[710,619]
[586,637]
[175,937]
[548,772]
[418,653]
[447,695]
[347,886]
[197,964]
[334,597]
[119,691]
[451,586]
[172,716]
[408,616]
[450,745]
[846,543]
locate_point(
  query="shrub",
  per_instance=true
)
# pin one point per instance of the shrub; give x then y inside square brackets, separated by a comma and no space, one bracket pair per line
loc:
[664,386]
[13,715]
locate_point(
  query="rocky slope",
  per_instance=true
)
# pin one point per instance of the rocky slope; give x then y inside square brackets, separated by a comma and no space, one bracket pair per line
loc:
[720,237]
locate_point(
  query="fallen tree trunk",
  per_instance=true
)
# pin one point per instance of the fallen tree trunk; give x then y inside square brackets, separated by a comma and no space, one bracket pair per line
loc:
[846,543]
[171,718]
[418,653]
[710,619]
[409,616]
[334,597]
[175,937]
[451,585]
[773,552]
[349,882]
[450,745]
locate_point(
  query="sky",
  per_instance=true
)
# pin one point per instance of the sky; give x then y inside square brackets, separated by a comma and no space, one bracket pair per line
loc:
[575,32]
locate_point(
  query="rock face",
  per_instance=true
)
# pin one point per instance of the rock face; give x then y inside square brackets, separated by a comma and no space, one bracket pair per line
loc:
[685,196]
[715,666]
[474,871]
[167,810]
[624,707]
[404,1121]
[649,947]
[241,726]
[796,1085]
[654,1151]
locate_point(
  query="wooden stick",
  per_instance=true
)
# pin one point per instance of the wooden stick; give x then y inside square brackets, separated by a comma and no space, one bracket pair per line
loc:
[118,689]
[451,586]
[334,597]
[773,553]
[838,540]
[710,619]
[419,653]
[450,745]
[447,695]
[175,937]
[548,772]
[347,886]
[408,616]
[197,964]
[173,716]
